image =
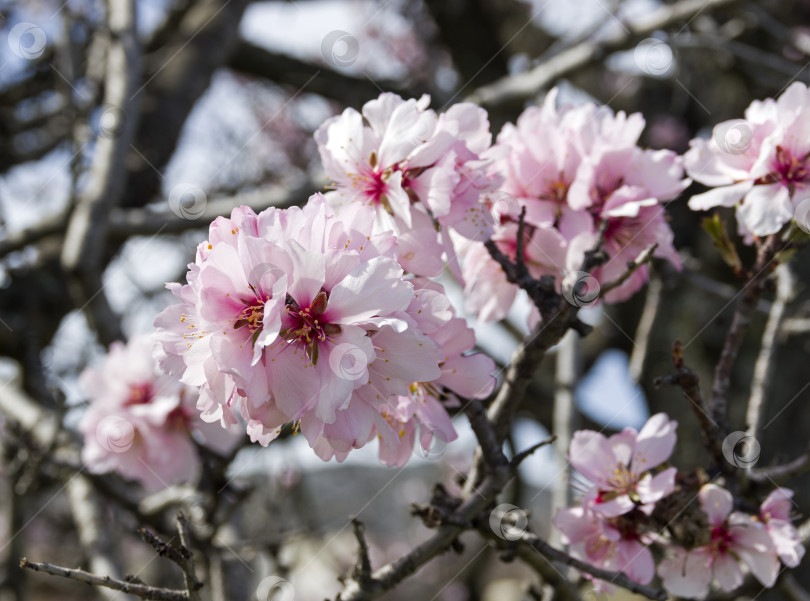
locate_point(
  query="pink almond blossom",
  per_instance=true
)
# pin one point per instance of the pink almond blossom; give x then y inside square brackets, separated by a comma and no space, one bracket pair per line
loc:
[760,164]
[421,172]
[140,421]
[735,539]
[395,420]
[301,316]
[572,170]
[606,545]
[619,467]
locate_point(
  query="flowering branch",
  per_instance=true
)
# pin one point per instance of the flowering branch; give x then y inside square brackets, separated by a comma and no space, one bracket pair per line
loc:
[538,545]
[781,473]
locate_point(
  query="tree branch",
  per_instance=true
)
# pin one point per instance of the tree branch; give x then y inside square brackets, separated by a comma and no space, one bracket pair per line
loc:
[763,368]
[518,88]
[689,383]
[763,267]
[139,590]
[282,69]
[86,234]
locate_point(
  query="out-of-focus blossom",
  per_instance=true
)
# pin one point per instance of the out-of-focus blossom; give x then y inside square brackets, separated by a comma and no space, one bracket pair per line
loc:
[775,514]
[735,540]
[140,421]
[760,164]
[604,544]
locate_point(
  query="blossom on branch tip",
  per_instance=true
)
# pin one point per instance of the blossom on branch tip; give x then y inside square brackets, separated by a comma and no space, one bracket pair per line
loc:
[775,514]
[760,164]
[612,545]
[734,540]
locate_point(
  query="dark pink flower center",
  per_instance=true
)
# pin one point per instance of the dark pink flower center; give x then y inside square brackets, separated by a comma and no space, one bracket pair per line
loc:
[140,394]
[178,418]
[375,186]
[307,325]
[789,170]
[721,538]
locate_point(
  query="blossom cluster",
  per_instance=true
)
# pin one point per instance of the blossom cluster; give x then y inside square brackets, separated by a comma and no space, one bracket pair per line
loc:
[142,423]
[327,318]
[300,316]
[422,173]
[574,171]
[616,523]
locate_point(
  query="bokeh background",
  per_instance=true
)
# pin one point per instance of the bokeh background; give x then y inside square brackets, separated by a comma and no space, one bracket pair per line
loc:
[229,94]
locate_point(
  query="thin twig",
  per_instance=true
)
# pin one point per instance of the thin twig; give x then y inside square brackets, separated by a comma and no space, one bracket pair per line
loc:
[777,474]
[763,368]
[644,257]
[618,578]
[689,383]
[186,561]
[523,455]
[795,326]
[140,590]
[763,267]
[362,569]
[532,548]
[568,367]
[641,339]
[94,537]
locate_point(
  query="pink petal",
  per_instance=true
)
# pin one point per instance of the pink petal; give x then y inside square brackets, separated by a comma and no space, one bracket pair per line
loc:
[686,574]
[727,572]
[777,504]
[592,456]
[765,209]
[651,489]
[372,288]
[716,503]
[615,507]
[654,443]
[636,560]
[725,196]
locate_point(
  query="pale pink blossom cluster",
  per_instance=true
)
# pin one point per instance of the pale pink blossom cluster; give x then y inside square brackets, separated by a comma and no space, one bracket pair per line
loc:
[760,164]
[625,478]
[422,172]
[301,316]
[573,170]
[614,526]
[142,423]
